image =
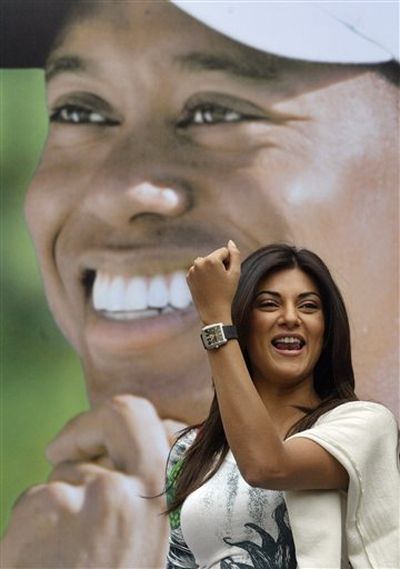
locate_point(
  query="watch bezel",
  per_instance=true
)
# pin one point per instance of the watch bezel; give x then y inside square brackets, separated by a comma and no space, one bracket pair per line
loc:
[216,344]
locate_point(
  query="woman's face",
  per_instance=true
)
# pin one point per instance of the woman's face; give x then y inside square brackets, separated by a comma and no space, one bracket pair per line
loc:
[286,329]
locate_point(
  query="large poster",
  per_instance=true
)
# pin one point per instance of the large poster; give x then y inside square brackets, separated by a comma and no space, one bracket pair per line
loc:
[174,127]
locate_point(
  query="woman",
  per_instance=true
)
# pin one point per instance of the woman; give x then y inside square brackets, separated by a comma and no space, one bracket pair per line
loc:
[286,438]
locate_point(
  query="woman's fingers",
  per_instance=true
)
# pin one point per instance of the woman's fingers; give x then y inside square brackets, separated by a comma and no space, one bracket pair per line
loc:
[213,280]
[234,256]
[227,257]
[218,256]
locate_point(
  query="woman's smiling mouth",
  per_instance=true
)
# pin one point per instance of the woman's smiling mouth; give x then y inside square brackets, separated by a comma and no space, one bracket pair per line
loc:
[288,343]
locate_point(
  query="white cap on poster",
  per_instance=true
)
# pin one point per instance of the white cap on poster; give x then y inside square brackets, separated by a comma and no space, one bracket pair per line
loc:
[332,32]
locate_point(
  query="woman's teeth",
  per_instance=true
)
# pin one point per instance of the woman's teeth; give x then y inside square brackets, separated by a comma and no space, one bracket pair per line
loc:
[288,343]
[140,297]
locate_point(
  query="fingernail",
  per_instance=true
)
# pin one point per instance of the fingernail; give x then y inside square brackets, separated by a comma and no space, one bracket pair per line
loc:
[232,243]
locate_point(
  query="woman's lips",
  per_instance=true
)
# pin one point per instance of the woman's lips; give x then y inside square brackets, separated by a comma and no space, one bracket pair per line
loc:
[288,345]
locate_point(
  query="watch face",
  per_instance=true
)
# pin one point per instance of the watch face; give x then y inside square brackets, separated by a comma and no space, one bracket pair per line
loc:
[213,336]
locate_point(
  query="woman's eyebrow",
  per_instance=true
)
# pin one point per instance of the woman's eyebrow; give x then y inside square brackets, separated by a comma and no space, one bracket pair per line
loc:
[238,67]
[68,64]
[278,295]
[271,292]
[311,293]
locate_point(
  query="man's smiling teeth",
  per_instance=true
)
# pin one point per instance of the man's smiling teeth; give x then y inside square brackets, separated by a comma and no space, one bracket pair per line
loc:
[140,297]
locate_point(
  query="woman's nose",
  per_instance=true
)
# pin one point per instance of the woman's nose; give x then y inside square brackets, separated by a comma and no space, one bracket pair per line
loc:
[289,316]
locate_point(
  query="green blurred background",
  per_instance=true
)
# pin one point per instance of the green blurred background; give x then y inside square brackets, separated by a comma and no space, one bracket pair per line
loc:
[41,379]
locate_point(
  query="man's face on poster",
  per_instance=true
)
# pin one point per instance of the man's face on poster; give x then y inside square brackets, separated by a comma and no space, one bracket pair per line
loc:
[166,140]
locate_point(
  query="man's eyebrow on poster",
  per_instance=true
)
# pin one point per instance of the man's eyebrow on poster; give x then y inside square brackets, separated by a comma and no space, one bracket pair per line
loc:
[70,64]
[251,67]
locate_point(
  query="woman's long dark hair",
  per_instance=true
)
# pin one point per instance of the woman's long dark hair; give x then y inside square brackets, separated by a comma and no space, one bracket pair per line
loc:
[333,374]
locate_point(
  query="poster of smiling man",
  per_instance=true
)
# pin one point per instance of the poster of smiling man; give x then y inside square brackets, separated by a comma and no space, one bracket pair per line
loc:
[138,136]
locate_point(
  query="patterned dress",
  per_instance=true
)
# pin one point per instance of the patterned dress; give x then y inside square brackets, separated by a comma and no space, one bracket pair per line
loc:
[226,523]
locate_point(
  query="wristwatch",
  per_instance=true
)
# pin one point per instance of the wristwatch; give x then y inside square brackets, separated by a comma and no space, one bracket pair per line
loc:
[216,335]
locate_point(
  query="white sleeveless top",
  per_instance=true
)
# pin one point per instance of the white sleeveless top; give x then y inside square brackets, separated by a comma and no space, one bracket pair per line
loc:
[228,524]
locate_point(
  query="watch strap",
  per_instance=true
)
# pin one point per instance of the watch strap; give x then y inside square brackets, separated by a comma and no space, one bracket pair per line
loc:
[230,332]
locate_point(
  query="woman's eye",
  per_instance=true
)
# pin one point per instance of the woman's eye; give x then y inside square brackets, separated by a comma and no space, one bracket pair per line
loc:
[309,306]
[268,305]
[210,114]
[73,114]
